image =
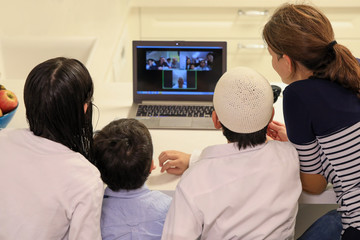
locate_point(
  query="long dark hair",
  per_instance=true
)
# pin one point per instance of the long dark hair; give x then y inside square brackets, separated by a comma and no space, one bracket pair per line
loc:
[55,93]
[305,34]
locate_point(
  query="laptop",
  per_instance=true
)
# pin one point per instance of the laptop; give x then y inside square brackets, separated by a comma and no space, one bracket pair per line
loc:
[174,82]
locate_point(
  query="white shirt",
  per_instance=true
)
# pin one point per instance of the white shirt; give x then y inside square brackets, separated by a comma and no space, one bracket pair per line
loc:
[232,194]
[47,191]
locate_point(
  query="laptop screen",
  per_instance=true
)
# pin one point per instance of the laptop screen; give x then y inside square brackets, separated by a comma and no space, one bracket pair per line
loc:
[177,70]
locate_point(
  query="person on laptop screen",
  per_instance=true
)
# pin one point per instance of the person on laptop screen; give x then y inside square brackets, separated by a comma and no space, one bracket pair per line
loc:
[247,188]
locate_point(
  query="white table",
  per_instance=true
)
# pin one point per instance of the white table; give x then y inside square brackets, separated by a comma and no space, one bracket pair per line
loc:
[114,101]
[117,104]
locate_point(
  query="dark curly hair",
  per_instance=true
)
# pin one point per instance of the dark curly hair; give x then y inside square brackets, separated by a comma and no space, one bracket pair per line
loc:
[123,153]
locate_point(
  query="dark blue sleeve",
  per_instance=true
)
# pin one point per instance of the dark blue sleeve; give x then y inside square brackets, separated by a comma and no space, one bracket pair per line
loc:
[297,118]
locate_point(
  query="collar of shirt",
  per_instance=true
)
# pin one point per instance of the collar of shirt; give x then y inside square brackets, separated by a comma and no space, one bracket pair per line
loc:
[226,150]
[126,193]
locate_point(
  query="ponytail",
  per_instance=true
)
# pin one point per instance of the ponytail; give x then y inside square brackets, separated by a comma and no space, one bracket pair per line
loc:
[305,34]
[345,69]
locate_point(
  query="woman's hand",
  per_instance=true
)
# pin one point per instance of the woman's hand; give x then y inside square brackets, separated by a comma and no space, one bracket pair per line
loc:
[277,131]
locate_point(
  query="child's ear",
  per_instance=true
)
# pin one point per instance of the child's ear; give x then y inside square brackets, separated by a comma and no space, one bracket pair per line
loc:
[152,166]
[272,116]
[271,119]
[216,121]
[85,107]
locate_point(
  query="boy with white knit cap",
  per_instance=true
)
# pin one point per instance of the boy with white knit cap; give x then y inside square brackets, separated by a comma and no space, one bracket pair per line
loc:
[247,188]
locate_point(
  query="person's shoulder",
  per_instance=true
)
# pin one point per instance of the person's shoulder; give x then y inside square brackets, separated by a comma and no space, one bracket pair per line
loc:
[200,174]
[13,131]
[85,184]
[161,196]
[159,202]
[80,171]
[280,144]
[5,132]
[311,84]
[283,148]
[194,174]
[87,167]
[305,91]
[317,90]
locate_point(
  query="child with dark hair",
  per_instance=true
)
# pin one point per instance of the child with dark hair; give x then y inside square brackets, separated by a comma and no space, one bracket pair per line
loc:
[123,153]
[247,188]
[48,186]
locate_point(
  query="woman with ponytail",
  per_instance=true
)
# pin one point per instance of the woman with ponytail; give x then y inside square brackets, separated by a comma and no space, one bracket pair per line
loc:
[321,105]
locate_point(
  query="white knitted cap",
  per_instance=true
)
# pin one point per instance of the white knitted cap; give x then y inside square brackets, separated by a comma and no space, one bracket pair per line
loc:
[243,100]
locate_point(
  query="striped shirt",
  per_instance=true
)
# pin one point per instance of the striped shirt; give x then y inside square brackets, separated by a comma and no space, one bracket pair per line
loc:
[323,123]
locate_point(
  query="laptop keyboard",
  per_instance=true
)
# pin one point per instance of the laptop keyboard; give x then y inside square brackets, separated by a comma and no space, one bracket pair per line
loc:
[174,111]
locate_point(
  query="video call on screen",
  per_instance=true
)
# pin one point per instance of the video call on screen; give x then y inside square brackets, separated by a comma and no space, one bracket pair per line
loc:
[178,68]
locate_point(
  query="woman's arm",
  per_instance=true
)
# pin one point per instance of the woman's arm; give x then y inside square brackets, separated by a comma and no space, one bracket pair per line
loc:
[313,183]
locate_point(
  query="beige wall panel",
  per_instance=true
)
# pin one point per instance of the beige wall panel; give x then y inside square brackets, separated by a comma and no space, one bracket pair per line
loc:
[345,21]
[241,27]
[200,23]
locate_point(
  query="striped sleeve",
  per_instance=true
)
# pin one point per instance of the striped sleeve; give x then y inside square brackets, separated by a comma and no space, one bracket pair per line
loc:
[342,149]
[310,157]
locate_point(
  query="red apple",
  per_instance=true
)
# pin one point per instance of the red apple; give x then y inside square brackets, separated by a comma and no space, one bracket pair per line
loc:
[8,101]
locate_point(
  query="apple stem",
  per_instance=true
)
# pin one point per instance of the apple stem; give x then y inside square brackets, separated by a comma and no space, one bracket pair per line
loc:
[10,95]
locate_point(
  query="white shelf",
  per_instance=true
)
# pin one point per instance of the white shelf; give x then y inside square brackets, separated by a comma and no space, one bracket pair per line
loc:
[239,3]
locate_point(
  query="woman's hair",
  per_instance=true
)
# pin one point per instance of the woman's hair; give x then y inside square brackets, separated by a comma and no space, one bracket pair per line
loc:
[55,93]
[305,34]
[244,140]
[123,153]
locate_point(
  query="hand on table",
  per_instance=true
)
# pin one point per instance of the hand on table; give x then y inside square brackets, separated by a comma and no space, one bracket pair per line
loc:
[174,162]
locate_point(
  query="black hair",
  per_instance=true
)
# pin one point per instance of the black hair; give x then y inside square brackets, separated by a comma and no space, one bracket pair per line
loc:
[123,154]
[55,93]
[245,140]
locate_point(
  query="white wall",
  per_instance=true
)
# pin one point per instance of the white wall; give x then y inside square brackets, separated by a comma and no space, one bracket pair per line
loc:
[240,23]
[47,22]
[31,31]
